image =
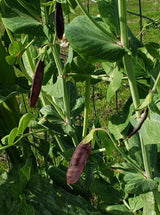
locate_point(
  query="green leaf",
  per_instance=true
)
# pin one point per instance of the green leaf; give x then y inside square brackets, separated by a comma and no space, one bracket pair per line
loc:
[146,102]
[89,137]
[90,42]
[78,107]
[29,7]
[81,66]
[12,136]
[25,171]
[119,122]
[153,49]
[105,192]
[53,121]
[23,17]
[138,184]
[150,130]
[24,122]
[5,140]
[15,48]
[106,142]
[114,85]
[24,208]
[56,89]
[136,203]
[11,59]
[4,98]
[109,12]
[44,147]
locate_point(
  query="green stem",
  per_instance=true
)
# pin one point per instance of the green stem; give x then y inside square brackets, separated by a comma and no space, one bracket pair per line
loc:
[127,57]
[97,77]
[156,83]
[98,151]
[9,34]
[54,104]
[145,159]
[61,146]
[86,108]
[131,77]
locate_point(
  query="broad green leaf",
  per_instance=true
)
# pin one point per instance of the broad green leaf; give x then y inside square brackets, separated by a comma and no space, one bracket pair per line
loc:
[23,25]
[114,85]
[134,147]
[25,171]
[24,122]
[53,121]
[89,137]
[81,66]
[11,59]
[78,108]
[56,89]
[29,7]
[24,208]
[150,130]
[120,121]
[153,49]
[109,12]
[90,42]
[106,142]
[137,184]
[50,71]
[12,136]
[136,203]
[72,93]
[105,192]
[15,48]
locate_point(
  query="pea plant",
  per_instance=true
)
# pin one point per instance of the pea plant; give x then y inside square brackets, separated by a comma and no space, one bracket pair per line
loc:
[60,166]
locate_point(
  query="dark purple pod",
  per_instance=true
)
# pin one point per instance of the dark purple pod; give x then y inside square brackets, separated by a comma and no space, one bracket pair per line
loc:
[37,83]
[59,21]
[78,162]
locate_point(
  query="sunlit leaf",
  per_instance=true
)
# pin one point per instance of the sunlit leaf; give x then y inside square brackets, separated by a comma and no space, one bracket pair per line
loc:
[93,44]
[24,122]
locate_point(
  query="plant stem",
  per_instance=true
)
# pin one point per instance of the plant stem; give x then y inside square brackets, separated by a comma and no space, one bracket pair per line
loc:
[58,139]
[145,159]
[132,80]
[127,57]
[86,108]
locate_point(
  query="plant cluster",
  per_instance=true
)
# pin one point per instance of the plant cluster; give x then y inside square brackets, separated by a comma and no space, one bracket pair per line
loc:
[57,165]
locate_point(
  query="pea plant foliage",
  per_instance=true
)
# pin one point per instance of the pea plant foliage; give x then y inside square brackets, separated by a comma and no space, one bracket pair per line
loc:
[57,164]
